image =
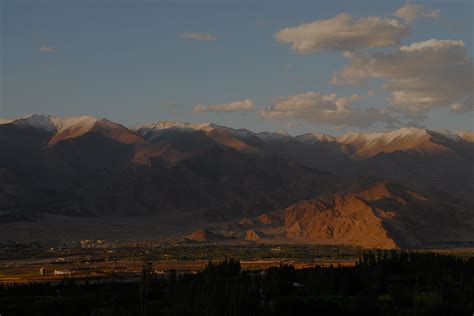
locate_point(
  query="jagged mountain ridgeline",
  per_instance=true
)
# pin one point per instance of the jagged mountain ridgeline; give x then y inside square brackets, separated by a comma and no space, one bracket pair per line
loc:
[402,188]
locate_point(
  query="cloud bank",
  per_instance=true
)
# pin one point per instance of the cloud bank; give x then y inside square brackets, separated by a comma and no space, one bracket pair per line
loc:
[410,12]
[314,107]
[420,76]
[343,33]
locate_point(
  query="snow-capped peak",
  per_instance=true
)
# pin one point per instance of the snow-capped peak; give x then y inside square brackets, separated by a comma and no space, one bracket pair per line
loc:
[43,122]
[275,136]
[161,125]
[5,120]
[385,137]
[81,121]
[50,123]
[154,130]
[467,136]
[311,138]
[240,132]
[282,133]
[448,134]
[407,131]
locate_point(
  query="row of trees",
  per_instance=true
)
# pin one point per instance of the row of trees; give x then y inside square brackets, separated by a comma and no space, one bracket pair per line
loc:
[382,283]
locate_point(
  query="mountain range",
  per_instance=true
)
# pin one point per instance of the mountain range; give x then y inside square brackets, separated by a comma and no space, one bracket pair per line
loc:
[403,188]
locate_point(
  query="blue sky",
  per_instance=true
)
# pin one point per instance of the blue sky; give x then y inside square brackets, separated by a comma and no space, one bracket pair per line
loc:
[126,60]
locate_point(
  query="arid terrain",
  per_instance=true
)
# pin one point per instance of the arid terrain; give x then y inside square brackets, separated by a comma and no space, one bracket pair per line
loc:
[88,178]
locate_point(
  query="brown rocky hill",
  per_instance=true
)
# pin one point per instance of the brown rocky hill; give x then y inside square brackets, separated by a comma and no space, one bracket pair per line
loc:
[253,235]
[386,215]
[203,235]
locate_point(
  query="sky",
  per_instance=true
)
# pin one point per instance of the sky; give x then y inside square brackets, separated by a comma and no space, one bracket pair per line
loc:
[300,66]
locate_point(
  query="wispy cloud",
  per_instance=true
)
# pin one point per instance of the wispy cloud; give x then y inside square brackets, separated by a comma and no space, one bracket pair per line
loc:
[244,105]
[47,49]
[466,106]
[198,36]
[410,12]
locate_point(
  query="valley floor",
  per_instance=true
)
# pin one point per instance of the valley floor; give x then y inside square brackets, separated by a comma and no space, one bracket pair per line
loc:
[100,260]
[380,283]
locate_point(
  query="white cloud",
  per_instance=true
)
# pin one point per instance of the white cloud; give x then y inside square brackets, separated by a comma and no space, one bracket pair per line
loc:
[410,12]
[432,44]
[47,49]
[423,75]
[315,107]
[198,36]
[244,105]
[343,33]
[466,106]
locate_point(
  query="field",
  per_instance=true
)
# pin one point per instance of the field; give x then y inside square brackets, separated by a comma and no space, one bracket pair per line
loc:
[27,263]
[380,283]
[101,260]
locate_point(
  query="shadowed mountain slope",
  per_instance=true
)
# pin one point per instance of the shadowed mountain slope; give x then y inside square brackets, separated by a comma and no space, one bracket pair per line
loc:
[206,173]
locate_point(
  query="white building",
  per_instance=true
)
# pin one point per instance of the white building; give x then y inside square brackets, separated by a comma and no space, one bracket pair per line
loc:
[62,272]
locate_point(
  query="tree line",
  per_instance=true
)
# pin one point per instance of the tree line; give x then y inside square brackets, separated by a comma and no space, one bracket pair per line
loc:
[381,283]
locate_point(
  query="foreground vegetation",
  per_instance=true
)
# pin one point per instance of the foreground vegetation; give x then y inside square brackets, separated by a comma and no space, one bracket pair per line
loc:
[382,283]
[101,259]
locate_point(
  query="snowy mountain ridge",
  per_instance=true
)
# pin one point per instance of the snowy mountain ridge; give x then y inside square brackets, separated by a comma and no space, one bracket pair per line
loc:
[50,123]
[57,124]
